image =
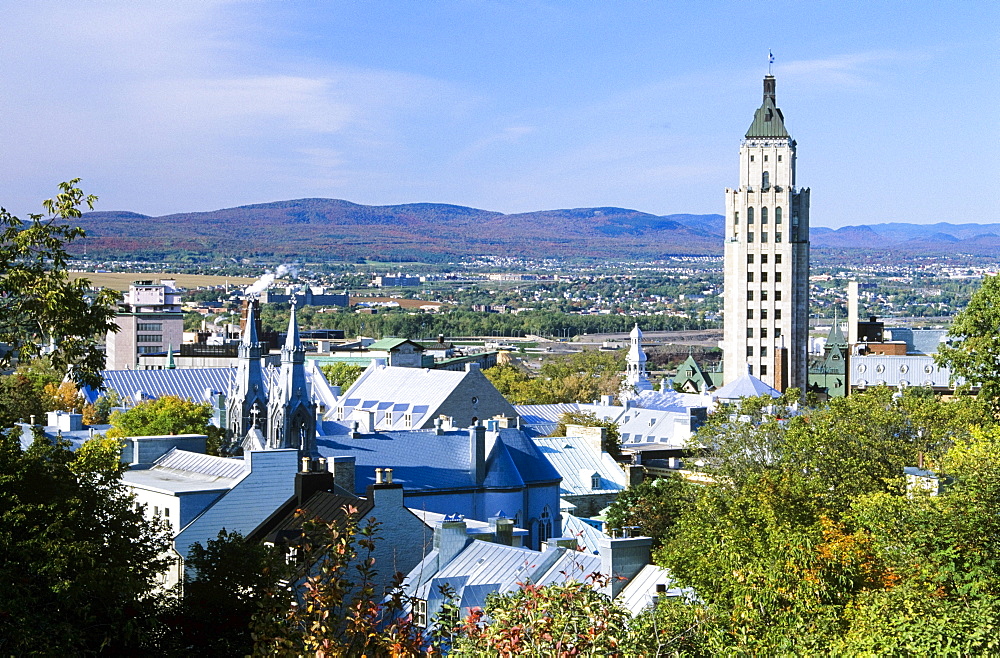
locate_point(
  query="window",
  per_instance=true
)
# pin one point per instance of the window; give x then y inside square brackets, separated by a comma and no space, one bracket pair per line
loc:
[777,277]
[388,418]
[763,277]
[763,259]
[763,215]
[763,332]
[765,158]
[765,179]
[751,158]
[763,371]
[749,295]
[749,350]
[749,314]
[150,326]
[595,481]
[750,276]
[777,214]
[777,237]
[749,332]
[777,295]
[763,295]
[736,217]
[149,349]
[166,512]
[749,259]
[750,236]
[763,237]
[777,314]
[779,158]
[420,612]
[544,526]
[777,332]
[340,413]
[777,259]
[763,313]
[408,419]
[763,352]
[749,215]
[149,338]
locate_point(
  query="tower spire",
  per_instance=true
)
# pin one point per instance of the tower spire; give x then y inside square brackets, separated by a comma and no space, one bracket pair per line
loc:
[247,391]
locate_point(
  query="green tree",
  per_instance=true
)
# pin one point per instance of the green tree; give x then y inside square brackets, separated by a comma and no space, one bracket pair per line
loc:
[342,374]
[612,442]
[39,305]
[653,506]
[975,356]
[79,564]
[165,415]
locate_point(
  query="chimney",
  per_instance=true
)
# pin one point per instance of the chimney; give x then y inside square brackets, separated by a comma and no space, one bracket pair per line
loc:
[310,479]
[469,367]
[450,538]
[562,542]
[354,430]
[636,474]
[477,453]
[440,339]
[622,558]
[781,368]
[607,400]
[365,419]
[438,422]
[595,435]
[343,471]
[503,529]
[852,312]
[447,423]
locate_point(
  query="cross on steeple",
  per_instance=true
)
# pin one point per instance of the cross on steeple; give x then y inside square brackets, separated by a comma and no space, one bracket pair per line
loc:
[254,413]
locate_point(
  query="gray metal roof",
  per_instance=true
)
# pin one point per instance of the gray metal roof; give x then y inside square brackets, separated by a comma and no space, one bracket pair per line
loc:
[571,456]
[179,471]
[914,370]
[587,536]
[638,594]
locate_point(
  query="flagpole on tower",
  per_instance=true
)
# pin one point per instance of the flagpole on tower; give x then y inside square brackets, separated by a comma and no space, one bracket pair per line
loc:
[770,60]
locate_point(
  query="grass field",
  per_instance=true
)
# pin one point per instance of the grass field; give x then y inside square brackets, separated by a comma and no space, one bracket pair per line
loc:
[121,280]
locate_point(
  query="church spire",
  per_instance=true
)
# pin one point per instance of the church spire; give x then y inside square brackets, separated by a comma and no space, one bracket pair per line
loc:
[636,379]
[291,412]
[247,390]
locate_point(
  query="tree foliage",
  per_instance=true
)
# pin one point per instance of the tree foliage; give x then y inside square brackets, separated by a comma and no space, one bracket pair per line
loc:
[39,305]
[168,414]
[652,506]
[79,561]
[580,377]
[975,356]
[342,374]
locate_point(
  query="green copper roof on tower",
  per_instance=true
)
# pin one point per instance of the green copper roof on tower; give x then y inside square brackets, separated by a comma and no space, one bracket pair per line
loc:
[768,120]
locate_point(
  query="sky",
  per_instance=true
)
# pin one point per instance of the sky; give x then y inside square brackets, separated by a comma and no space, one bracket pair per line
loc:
[191,105]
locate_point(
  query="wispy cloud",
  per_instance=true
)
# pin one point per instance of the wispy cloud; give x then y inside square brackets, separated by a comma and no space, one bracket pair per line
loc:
[846,70]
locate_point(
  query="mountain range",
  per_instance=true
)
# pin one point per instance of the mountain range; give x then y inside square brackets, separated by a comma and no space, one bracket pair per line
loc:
[337,229]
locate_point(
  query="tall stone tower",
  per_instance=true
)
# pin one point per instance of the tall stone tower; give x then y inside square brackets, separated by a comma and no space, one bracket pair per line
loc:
[767,257]
[292,414]
[247,404]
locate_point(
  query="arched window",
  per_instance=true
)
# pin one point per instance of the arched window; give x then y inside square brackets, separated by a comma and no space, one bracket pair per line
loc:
[765,181]
[777,214]
[544,526]
[749,215]
[763,215]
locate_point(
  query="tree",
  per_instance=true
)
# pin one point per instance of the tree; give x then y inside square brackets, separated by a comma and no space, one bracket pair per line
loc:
[39,305]
[976,354]
[165,415]
[653,506]
[564,619]
[612,443]
[79,564]
[342,374]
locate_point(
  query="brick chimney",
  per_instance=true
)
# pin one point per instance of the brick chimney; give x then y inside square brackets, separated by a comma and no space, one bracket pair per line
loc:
[313,476]
[477,453]
[781,369]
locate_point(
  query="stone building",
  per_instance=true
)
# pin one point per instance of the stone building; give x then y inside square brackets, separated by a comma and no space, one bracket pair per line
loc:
[149,321]
[767,257]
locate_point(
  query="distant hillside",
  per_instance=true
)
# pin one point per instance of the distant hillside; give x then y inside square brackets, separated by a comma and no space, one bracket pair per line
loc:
[337,229]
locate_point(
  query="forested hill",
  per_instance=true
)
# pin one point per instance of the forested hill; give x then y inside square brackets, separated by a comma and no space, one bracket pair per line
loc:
[337,229]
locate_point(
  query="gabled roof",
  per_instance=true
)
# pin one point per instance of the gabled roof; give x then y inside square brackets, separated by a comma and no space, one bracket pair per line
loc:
[573,455]
[323,505]
[418,392]
[587,536]
[387,344]
[768,120]
[639,593]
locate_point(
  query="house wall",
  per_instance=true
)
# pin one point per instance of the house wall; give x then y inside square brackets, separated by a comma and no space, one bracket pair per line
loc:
[476,398]
[588,505]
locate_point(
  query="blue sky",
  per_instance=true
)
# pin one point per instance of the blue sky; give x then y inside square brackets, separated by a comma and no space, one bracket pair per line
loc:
[512,106]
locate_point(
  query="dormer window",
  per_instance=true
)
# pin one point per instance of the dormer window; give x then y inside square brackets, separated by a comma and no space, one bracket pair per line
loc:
[595,481]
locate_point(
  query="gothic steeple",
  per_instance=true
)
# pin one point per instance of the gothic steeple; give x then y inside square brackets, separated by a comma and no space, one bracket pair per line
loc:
[247,391]
[636,379]
[291,413]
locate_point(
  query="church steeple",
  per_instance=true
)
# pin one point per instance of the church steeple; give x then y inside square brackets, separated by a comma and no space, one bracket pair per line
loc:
[636,378]
[291,413]
[247,391]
